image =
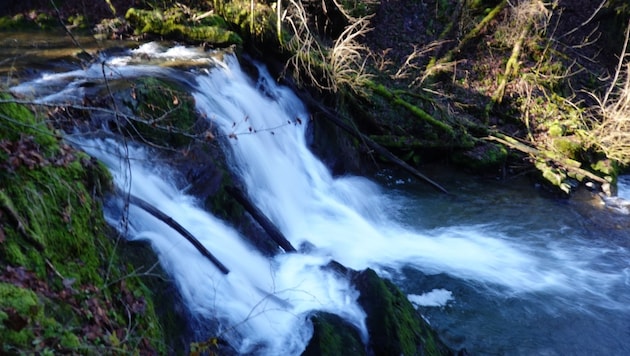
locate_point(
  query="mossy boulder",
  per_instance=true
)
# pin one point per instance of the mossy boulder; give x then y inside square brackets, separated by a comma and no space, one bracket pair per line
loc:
[19,307]
[332,335]
[394,326]
[175,24]
[164,113]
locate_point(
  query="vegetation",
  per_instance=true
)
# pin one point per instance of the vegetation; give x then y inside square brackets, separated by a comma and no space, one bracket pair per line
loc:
[495,86]
[178,23]
[610,123]
[62,286]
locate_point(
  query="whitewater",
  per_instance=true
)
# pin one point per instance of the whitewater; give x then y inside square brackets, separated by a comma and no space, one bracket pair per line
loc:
[262,305]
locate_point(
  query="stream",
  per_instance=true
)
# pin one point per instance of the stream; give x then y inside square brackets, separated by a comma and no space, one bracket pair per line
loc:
[496,268]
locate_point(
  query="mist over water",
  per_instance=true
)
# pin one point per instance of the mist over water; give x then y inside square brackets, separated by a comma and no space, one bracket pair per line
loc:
[485,268]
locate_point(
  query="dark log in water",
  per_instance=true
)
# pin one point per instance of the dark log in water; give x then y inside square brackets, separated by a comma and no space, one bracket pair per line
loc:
[261,218]
[158,214]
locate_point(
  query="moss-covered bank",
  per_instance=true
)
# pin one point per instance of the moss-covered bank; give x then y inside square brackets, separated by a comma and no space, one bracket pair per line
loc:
[63,288]
[174,23]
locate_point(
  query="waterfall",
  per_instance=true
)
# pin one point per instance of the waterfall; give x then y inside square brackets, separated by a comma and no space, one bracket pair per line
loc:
[262,305]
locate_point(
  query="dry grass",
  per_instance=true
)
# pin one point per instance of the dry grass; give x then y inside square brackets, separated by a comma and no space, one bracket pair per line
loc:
[611,121]
[523,14]
[330,69]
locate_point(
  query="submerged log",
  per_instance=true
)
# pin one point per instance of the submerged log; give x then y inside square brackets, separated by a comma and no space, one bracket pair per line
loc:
[261,218]
[158,214]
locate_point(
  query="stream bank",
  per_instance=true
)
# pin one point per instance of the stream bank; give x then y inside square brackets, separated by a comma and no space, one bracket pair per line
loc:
[401,144]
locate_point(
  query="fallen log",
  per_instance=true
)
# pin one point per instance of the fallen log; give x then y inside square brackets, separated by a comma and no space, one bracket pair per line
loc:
[414,110]
[158,214]
[567,164]
[261,219]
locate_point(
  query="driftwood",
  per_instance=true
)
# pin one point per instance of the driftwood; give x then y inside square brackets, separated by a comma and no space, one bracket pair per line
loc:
[334,118]
[261,218]
[158,214]
[568,164]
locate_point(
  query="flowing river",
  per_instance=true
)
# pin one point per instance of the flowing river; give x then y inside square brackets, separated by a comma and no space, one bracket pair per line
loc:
[496,268]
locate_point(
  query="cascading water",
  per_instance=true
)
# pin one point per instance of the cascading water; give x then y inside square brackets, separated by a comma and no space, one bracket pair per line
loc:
[495,272]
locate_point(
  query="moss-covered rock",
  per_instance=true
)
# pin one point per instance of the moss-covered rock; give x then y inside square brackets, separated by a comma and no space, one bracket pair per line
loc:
[175,24]
[332,335]
[257,28]
[165,113]
[41,21]
[394,326]
[19,307]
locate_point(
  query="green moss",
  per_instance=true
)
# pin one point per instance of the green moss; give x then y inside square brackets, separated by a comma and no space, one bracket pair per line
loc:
[70,341]
[556,130]
[481,158]
[558,178]
[568,146]
[395,327]
[174,23]
[55,241]
[333,336]
[78,21]
[608,167]
[259,29]
[167,113]
[18,23]
[20,307]
[58,216]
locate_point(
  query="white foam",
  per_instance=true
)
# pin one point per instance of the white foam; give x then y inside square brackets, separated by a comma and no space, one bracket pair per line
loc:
[434,298]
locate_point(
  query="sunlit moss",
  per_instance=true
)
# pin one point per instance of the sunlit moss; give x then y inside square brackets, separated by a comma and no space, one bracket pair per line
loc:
[175,24]
[54,233]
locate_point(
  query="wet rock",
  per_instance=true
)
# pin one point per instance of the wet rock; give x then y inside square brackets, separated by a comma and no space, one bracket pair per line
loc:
[332,335]
[394,326]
